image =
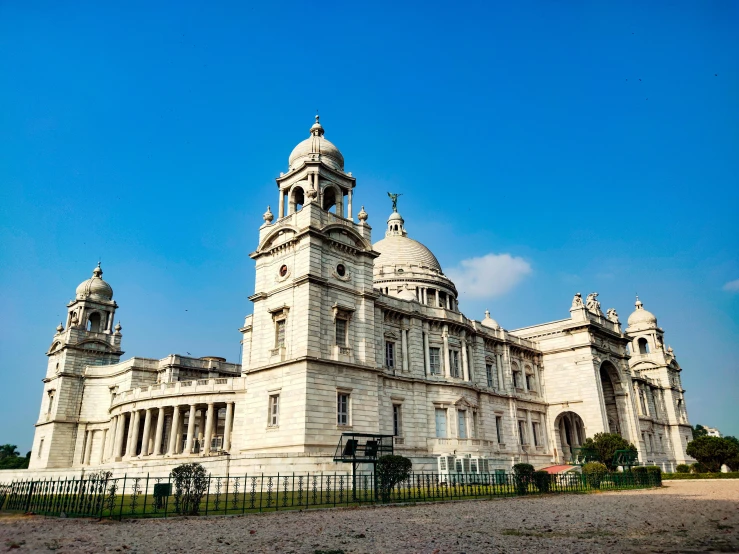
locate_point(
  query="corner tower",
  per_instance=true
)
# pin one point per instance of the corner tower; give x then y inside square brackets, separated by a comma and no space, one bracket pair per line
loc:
[88,339]
[313,320]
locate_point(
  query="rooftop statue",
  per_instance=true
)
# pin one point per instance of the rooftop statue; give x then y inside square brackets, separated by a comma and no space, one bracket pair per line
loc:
[394,198]
[612,315]
[577,301]
[592,304]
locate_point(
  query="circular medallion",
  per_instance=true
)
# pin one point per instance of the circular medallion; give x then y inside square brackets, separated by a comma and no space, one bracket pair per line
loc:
[340,270]
[283,270]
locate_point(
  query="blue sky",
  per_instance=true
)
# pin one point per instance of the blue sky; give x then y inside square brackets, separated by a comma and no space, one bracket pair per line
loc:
[596,144]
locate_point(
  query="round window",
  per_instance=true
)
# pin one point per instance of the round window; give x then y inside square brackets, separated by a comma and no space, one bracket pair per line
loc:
[283,270]
[399,270]
[340,270]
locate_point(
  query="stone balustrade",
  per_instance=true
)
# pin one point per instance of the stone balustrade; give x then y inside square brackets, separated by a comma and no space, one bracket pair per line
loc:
[200,386]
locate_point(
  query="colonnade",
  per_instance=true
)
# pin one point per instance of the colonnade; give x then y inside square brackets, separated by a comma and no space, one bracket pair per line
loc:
[163,431]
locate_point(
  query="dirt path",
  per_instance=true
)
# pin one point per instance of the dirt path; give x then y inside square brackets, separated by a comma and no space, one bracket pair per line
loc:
[683,516]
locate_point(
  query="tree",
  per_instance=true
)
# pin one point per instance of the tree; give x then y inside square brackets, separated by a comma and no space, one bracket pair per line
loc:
[190,482]
[9,451]
[391,470]
[713,451]
[605,445]
[699,431]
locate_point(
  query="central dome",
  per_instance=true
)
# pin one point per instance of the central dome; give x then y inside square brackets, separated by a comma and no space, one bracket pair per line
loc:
[316,148]
[398,250]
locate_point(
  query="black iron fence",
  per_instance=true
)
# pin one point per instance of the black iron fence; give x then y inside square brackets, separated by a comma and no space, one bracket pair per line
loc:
[127,497]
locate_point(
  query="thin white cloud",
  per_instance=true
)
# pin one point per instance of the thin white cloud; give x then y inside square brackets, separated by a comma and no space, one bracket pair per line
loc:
[488,276]
[732,286]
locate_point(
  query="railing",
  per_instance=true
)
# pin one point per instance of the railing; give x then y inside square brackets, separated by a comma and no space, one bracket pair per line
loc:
[127,497]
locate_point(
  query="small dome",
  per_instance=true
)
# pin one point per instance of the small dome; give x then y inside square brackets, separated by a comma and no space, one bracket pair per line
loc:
[95,288]
[401,250]
[640,316]
[489,321]
[316,147]
[395,216]
[407,294]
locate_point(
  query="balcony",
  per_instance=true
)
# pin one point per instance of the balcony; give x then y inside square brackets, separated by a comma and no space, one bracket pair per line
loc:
[199,386]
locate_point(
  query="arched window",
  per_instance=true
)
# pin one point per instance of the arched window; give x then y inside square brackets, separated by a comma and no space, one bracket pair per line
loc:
[643,346]
[333,200]
[94,323]
[297,199]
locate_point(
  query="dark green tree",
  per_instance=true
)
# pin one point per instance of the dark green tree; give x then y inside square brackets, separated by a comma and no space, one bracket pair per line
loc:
[391,470]
[605,446]
[699,431]
[9,451]
[190,482]
[712,452]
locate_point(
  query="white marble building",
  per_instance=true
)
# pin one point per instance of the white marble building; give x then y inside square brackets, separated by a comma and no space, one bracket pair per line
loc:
[351,335]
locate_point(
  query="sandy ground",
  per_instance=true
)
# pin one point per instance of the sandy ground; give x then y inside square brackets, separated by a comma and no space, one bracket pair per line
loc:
[683,516]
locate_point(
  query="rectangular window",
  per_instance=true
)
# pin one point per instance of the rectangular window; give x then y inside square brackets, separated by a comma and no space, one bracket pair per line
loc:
[397,429]
[435,360]
[517,379]
[390,355]
[51,402]
[440,422]
[462,424]
[342,409]
[499,428]
[274,410]
[454,360]
[661,444]
[536,433]
[280,333]
[341,331]
[522,431]
[489,374]
[40,448]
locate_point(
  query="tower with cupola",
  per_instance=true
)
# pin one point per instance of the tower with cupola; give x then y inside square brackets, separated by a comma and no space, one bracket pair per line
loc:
[312,327]
[89,338]
[658,391]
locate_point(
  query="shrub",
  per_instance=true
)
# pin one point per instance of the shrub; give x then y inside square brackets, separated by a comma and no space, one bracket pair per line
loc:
[391,470]
[640,474]
[655,475]
[713,451]
[605,446]
[682,468]
[523,475]
[594,473]
[190,482]
[542,481]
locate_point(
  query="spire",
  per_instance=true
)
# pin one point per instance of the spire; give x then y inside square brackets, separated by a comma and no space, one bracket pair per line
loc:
[317,129]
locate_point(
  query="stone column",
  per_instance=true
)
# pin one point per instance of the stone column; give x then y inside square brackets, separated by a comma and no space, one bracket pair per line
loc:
[103,446]
[190,429]
[447,366]
[110,445]
[404,347]
[159,432]
[349,204]
[88,448]
[530,425]
[133,445]
[172,450]
[471,359]
[120,426]
[448,303]
[281,208]
[499,370]
[208,429]
[426,355]
[147,431]
[465,361]
[227,428]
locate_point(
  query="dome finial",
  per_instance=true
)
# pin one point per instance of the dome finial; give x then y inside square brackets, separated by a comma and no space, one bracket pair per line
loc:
[638,303]
[394,198]
[98,271]
[317,129]
[268,216]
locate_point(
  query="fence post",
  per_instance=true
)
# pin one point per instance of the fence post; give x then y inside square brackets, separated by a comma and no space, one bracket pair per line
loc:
[123,495]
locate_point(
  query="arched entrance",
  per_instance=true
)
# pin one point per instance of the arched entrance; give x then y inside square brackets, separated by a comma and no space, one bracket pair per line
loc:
[570,431]
[610,382]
